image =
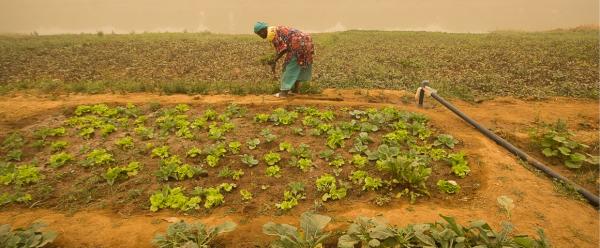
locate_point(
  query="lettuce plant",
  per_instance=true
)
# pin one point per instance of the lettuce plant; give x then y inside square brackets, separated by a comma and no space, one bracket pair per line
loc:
[372,183]
[261,118]
[173,167]
[302,151]
[445,140]
[327,183]
[194,152]
[160,152]
[60,159]
[182,108]
[212,196]
[198,123]
[106,129]
[144,132]
[304,164]
[338,162]
[359,161]
[285,146]
[460,166]
[212,160]
[113,174]
[98,157]
[246,195]
[125,143]
[249,160]
[326,115]
[234,147]
[269,137]
[291,196]
[448,187]
[280,116]
[336,139]
[58,145]
[358,177]
[272,158]
[253,143]
[210,114]
[227,187]
[273,171]
[326,154]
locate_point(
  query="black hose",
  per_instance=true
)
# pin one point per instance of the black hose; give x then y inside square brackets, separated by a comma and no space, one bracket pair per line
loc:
[592,199]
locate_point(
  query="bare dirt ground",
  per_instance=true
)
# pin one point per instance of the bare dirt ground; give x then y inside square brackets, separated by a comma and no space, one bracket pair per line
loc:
[567,222]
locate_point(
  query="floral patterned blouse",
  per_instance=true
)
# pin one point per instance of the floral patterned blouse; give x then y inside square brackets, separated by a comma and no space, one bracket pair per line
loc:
[297,43]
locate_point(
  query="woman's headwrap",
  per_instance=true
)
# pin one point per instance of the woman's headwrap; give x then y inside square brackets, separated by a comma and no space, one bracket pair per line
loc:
[260,26]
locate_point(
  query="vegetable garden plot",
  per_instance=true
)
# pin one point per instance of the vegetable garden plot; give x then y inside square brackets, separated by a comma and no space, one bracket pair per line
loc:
[259,158]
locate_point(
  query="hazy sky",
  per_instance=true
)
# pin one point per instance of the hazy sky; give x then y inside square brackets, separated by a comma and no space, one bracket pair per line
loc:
[238,16]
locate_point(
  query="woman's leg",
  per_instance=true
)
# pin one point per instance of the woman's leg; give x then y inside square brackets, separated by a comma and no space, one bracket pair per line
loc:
[290,75]
[305,75]
[296,88]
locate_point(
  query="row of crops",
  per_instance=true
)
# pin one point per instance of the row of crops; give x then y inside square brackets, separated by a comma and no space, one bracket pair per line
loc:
[314,233]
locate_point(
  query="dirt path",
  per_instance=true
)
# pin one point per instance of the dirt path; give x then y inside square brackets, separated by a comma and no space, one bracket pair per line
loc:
[568,223]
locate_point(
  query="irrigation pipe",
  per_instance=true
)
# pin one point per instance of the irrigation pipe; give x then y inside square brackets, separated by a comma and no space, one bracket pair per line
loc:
[425,90]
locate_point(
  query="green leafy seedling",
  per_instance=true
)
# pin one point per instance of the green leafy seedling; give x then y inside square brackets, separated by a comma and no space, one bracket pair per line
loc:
[246,195]
[60,159]
[125,143]
[459,164]
[98,157]
[448,187]
[272,158]
[160,152]
[58,145]
[234,147]
[249,160]
[446,140]
[285,146]
[273,171]
[253,143]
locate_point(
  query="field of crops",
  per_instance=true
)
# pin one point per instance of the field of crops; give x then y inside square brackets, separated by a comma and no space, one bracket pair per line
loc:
[186,158]
[250,161]
[216,162]
[469,66]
